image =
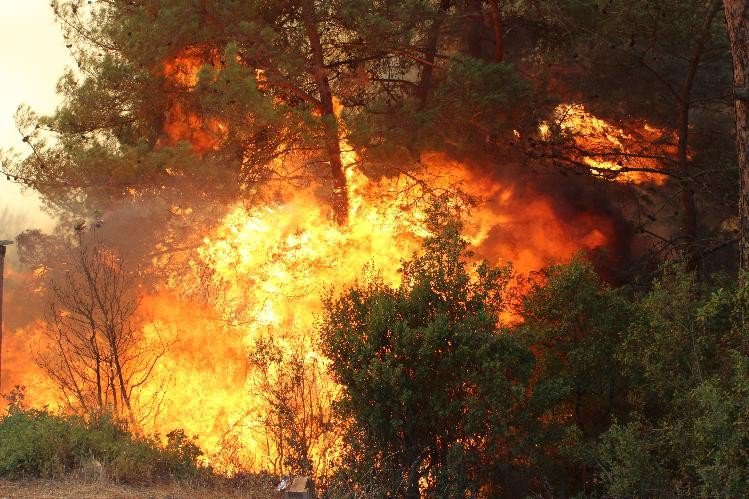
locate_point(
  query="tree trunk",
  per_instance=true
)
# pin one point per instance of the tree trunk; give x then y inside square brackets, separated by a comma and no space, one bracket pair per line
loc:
[124,395]
[330,121]
[737,20]
[474,27]
[430,54]
[688,206]
[97,366]
[499,43]
[689,210]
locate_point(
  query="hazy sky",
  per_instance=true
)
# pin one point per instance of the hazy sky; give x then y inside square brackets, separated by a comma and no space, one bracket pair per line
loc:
[32,57]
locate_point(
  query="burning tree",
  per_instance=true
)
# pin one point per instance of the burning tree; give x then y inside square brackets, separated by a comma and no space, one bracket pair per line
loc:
[296,415]
[95,354]
[219,98]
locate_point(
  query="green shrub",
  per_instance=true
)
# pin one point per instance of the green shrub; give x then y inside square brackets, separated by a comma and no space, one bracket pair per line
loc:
[430,385]
[40,443]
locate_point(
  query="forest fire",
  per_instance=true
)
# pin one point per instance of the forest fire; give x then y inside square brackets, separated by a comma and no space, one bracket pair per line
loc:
[269,268]
[264,271]
[381,249]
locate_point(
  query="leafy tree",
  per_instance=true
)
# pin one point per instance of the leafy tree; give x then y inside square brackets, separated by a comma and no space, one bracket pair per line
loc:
[429,384]
[685,358]
[238,83]
[219,97]
[574,323]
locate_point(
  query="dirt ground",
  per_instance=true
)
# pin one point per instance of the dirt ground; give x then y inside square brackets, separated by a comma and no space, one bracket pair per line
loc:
[69,488]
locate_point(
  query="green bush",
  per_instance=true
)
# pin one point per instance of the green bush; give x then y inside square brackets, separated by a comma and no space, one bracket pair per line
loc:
[685,356]
[40,443]
[430,385]
[599,391]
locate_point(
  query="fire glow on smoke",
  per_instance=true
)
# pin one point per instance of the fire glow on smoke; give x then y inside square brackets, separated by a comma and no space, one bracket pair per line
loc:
[268,267]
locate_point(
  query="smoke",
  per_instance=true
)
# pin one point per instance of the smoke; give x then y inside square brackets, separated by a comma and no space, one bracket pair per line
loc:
[216,276]
[554,215]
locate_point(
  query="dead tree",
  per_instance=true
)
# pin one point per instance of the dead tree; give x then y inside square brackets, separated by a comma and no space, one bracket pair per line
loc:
[96,355]
[296,397]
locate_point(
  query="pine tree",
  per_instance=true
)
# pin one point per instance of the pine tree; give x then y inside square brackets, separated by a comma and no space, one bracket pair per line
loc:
[216,98]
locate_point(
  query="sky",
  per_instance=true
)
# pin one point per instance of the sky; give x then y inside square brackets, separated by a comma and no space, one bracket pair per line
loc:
[32,57]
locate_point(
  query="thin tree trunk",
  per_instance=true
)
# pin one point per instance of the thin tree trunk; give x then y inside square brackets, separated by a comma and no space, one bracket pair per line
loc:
[123,392]
[737,20]
[430,54]
[115,404]
[474,27]
[97,364]
[124,395]
[499,43]
[688,206]
[689,210]
[330,121]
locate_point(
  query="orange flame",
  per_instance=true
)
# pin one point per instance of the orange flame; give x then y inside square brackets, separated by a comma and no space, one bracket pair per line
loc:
[634,156]
[270,266]
[181,74]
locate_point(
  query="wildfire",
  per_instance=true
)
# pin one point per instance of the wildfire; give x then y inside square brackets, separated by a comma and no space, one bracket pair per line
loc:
[273,264]
[609,151]
[268,268]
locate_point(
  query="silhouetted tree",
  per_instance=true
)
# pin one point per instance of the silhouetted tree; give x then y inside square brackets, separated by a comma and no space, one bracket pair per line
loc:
[95,353]
[296,409]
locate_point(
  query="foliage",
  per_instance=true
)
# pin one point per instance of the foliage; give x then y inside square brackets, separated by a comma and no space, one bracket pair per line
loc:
[686,357]
[428,382]
[489,95]
[574,324]
[663,63]
[41,443]
[596,390]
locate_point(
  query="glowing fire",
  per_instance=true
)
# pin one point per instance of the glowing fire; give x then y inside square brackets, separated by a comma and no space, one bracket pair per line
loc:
[181,75]
[272,265]
[269,266]
[611,152]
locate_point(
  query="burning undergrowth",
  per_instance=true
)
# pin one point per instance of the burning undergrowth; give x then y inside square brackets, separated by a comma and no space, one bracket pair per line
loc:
[215,282]
[261,272]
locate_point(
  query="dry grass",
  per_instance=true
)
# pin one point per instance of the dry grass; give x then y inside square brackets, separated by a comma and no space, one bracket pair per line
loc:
[71,487]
